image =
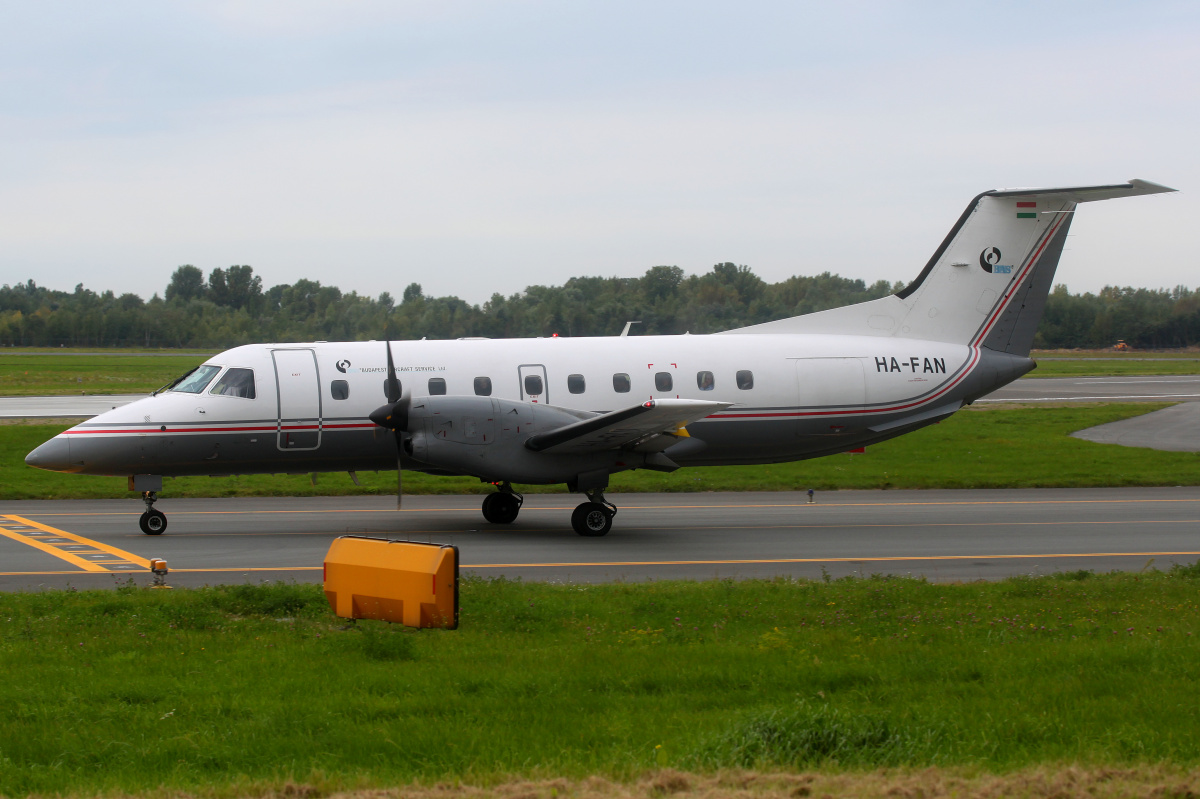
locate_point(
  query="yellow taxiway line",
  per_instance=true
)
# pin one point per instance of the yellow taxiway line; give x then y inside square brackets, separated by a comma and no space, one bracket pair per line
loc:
[118,555]
[740,562]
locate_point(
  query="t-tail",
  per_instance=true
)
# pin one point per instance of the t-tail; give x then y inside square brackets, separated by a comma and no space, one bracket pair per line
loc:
[986,285]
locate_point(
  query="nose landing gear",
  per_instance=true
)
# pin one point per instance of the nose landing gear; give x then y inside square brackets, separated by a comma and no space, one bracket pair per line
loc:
[152,522]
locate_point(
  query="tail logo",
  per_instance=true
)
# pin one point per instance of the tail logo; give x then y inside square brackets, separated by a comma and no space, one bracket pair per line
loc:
[989,259]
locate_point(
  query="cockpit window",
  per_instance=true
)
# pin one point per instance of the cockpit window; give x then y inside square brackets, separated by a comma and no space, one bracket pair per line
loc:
[195,382]
[235,383]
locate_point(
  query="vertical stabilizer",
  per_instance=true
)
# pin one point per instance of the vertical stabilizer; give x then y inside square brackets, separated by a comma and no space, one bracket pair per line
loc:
[986,285]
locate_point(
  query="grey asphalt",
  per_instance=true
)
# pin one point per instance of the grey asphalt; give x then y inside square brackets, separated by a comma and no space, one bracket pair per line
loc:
[940,535]
[1160,388]
[1175,429]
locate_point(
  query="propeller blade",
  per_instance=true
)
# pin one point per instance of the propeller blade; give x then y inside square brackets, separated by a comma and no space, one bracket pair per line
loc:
[393,385]
[394,415]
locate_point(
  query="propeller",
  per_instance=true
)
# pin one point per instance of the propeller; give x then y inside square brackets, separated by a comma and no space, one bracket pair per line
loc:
[394,417]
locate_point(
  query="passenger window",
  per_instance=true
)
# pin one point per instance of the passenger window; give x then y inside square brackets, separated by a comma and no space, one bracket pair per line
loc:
[385,387]
[745,379]
[483,386]
[662,381]
[339,389]
[235,383]
[621,383]
[437,385]
[575,384]
[533,385]
[704,380]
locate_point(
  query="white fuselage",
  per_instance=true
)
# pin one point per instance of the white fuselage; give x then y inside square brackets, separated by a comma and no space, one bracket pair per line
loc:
[793,397]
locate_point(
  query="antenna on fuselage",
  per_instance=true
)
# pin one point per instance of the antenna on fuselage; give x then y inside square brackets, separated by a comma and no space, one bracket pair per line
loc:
[628,325]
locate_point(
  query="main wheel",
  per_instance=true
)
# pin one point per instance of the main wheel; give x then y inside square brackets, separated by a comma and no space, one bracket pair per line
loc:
[501,508]
[153,522]
[591,519]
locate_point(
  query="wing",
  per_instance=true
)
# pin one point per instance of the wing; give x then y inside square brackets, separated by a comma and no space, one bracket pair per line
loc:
[649,427]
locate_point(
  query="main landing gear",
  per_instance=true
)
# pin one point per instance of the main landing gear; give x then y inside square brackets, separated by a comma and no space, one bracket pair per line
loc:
[502,506]
[594,517]
[152,522]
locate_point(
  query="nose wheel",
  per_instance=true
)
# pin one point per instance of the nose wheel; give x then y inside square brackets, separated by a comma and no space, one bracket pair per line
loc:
[594,518]
[152,522]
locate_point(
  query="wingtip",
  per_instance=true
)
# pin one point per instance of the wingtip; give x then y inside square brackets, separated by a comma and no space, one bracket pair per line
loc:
[1149,187]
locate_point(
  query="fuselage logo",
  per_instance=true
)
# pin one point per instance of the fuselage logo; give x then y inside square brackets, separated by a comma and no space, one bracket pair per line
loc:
[989,259]
[342,366]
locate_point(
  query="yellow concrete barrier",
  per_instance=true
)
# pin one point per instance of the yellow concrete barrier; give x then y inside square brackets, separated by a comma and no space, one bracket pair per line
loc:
[398,581]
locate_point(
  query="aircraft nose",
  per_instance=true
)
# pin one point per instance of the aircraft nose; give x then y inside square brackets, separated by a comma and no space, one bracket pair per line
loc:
[54,456]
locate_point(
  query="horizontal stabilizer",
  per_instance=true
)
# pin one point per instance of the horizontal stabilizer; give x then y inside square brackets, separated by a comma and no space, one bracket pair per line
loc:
[628,428]
[1085,194]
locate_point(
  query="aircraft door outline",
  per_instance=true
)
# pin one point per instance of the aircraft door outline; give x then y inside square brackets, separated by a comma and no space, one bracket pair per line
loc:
[298,396]
[829,382]
[529,375]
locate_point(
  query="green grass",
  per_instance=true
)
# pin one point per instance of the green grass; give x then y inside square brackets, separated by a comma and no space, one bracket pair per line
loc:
[994,447]
[1182,354]
[1105,367]
[46,374]
[232,687]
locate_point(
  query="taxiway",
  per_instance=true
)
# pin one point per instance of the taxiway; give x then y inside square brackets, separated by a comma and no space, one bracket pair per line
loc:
[940,535]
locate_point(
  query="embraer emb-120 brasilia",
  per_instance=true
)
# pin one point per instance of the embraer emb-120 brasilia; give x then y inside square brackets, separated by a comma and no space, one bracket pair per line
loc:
[577,410]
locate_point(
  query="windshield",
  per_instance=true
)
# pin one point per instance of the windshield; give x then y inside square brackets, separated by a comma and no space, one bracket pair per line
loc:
[195,381]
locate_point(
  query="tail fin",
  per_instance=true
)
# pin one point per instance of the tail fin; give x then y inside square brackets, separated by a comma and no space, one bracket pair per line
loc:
[986,285]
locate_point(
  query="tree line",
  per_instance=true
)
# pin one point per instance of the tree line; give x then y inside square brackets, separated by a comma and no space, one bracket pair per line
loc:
[230,307]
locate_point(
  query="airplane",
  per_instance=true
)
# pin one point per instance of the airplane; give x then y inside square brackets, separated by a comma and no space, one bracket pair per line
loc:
[577,410]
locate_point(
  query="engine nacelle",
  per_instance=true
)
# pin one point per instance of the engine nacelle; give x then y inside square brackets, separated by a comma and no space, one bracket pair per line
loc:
[486,437]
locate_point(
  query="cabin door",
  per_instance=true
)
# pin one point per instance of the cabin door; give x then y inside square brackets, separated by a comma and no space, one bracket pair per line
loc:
[298,387]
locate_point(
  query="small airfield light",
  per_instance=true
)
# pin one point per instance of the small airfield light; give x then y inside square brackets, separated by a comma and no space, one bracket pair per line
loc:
[159,567]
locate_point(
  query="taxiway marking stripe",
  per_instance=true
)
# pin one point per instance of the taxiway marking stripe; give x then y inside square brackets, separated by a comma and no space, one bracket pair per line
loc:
[120,554]
[745,562]
[49,549]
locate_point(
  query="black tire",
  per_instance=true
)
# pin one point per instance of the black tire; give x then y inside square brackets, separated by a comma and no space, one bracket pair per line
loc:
[501,508]
[592,519]
[153,522]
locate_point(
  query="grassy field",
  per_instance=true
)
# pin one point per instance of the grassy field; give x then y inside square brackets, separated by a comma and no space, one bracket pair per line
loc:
[991,447]
[50,374]
[1109,367]
[235,689]
[59,372]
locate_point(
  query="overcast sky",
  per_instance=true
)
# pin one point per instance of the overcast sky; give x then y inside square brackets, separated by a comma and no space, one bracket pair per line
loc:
[479,147]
